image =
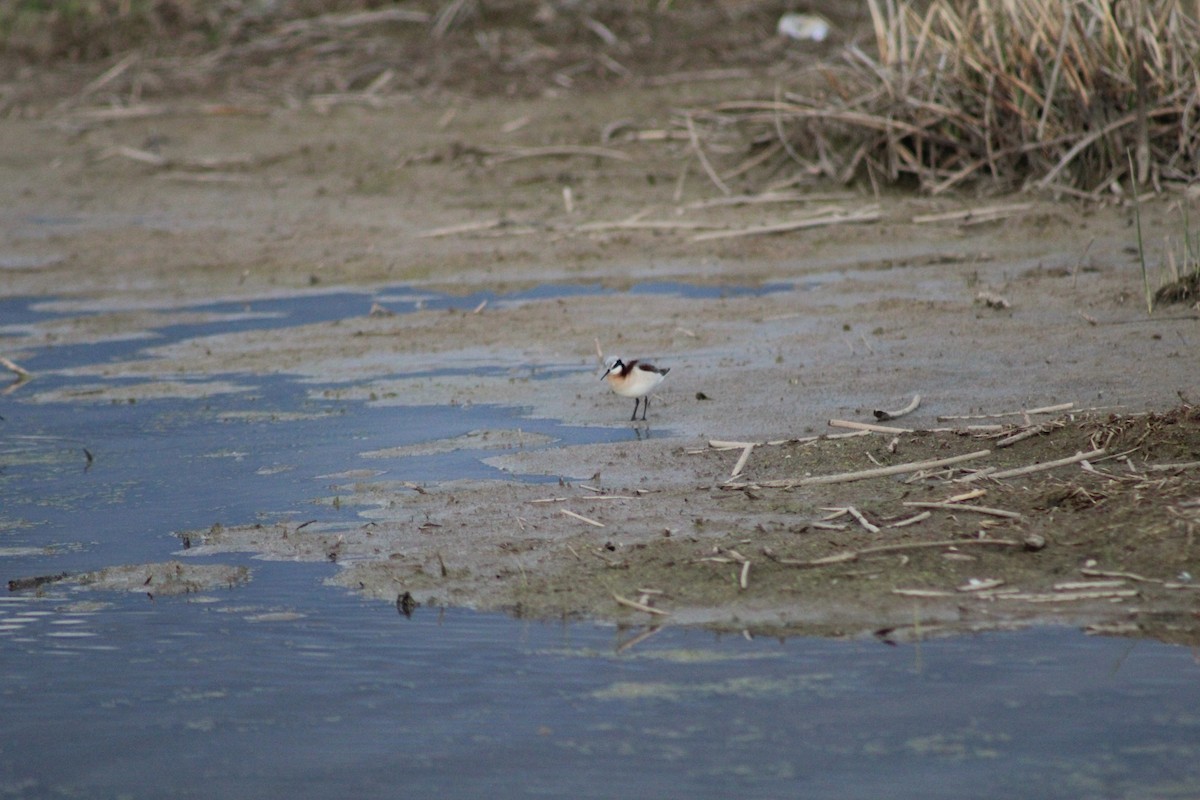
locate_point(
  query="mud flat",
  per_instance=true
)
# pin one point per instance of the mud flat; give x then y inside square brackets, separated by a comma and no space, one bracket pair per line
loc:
[978,312]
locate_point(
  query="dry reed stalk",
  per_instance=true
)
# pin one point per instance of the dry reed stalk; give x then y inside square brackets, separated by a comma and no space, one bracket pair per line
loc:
[866,426]
[986,510]
[581,518]
[625,601]
[854,555]
[879,472]
[1013,473]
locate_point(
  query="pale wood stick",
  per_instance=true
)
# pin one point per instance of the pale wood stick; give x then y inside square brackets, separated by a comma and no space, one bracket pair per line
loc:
[113,114]
[1062,462]
[854,555]
[657,135]
[1075,586]
[634,604]
[466,227]
[866,426]
[922,592]
[796,225]
[1042,410]
[862,520]
[741,462]
[557,151]
[991,512]
[895,469]
[1160,467]
[1107,573]
[1028,433]
[644,224]
[708,168]
[975,476]
[913,520]
[896,548]
[967,430]
[980,585]
[884,416]
[988,212]
[744,578]
[736,556]
[581,517]
[721,444]
[109,75]
[971,495]
[1071,597]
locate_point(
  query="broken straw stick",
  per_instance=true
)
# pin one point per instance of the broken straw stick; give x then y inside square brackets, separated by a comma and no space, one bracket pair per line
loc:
[722,444]
[854,555]
[581,517]
[634,604]
[1170,467]
[913,520]
[866,426]
[1109,573]
[1012,473]
[1030,432]
[1071,597]
[557,151]
[643,224]
[704,162]
[884,416]
[862,520]
[973,214]
[741,462]
[1042,410]
[467,227]
[795,225]
[989,511]
[895,469]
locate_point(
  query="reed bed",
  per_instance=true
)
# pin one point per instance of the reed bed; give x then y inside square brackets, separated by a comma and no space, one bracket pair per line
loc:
[1071,95]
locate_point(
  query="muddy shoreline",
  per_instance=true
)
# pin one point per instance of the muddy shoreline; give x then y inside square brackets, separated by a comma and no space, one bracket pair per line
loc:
[857,317]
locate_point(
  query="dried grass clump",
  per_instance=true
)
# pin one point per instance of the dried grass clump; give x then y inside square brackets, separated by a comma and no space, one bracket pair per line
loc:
[1059,93]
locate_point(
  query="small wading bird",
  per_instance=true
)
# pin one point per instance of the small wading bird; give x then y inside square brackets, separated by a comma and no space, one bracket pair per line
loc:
[633,379]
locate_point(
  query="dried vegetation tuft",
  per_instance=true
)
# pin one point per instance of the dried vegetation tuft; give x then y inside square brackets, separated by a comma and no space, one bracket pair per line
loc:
[1060,94]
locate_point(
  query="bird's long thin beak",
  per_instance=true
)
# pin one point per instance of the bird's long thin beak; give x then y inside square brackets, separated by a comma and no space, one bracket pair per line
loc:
[605,375]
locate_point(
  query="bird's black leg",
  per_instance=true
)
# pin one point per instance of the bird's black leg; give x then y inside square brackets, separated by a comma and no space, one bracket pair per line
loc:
[635,405]
[645,406]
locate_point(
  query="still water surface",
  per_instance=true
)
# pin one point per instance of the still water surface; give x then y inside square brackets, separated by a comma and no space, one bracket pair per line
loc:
[289,688]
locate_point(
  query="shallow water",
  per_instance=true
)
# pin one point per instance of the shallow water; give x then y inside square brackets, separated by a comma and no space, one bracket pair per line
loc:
[287,687]
[244,697]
